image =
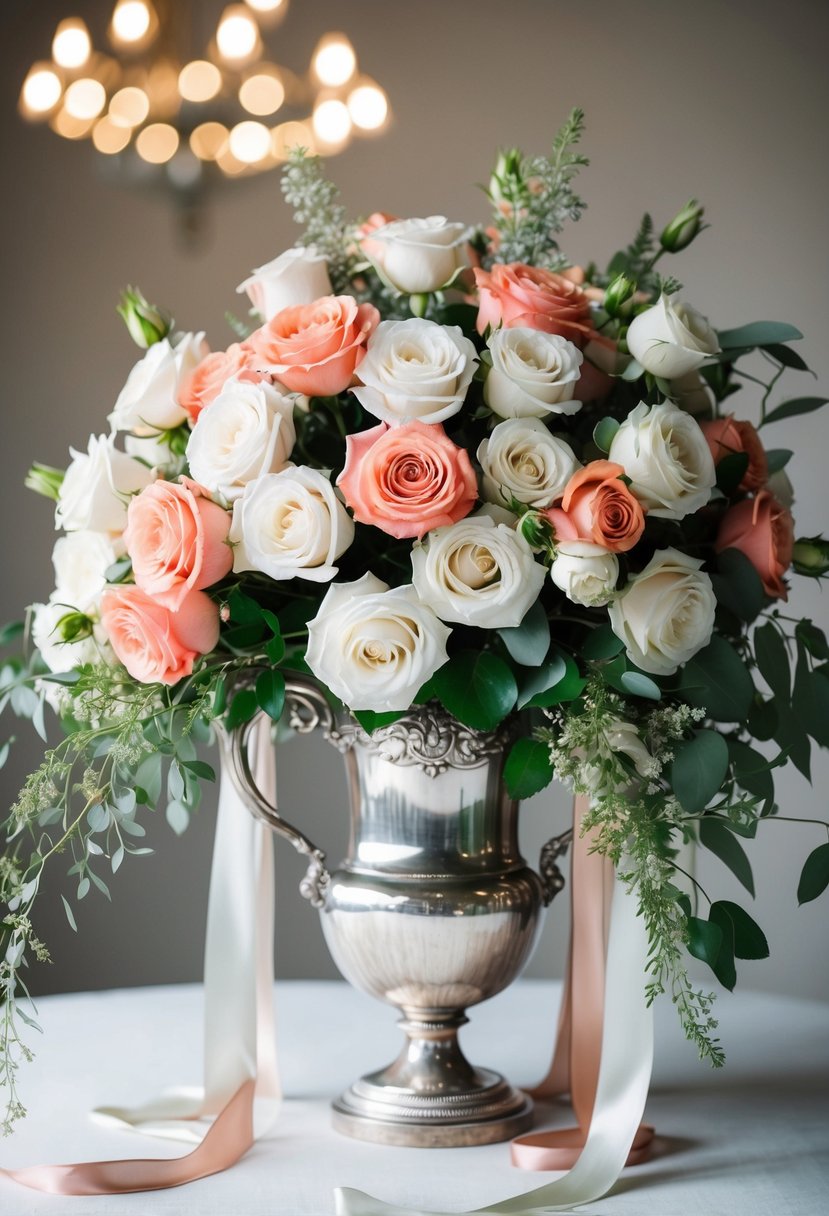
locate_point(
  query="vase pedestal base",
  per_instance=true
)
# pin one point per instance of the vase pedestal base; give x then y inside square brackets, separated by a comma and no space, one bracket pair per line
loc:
[431,1096]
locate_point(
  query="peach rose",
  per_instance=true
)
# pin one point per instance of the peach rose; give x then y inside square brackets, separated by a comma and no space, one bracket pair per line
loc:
[208,378]
[177,539]
[316,348]
[725,436]
[763,530]
[599,508]
[407,479]
[155,645]
[515,294]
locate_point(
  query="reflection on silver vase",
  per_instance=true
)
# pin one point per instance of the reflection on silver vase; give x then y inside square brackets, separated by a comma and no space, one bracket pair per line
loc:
[433,910]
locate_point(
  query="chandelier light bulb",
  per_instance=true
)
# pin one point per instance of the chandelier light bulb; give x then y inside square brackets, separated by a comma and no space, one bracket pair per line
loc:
[71,44]
[262,92]
[108,137]
[238,35]
[289,135]
[250,142]
[208,140]
[332,122]
[334,60]
[199,80]
[157,143]
[266,6]
[41,91]
[368,107]
[131,20]
[85,99]
[128,108]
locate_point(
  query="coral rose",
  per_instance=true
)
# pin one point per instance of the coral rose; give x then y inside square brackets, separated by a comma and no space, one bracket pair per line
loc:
[155,645]
[315,348]
[762,529]
[599,508]
[208,378]
[177,539]
[407,479]
[727,436]
[515,294]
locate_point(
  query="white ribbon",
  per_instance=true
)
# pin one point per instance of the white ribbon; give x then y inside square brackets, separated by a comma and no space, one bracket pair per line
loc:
[239,1029]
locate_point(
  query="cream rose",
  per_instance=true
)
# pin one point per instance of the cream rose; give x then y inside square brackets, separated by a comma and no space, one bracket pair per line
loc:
[81,560]
[148,402]
[666,456]
[521,460]
[533,374]
[96,489]
[415,369]
[671,339]
[477,572]
[666,613]
[290,524]
[297,276]
[586,573]
[374,647]
[246,432]
[419,255]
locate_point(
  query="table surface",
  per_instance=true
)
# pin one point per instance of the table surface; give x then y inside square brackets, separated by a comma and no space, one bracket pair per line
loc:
[752,1138]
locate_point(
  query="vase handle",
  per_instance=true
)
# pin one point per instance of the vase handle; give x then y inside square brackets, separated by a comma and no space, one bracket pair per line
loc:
[308,709]
[552,878]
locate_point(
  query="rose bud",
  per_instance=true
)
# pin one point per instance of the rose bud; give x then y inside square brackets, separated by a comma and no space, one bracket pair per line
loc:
[147,324]
[617,293]
[682,229]
[810,556]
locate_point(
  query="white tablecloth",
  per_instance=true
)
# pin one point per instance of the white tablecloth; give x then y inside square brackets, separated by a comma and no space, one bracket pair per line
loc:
[749,1140]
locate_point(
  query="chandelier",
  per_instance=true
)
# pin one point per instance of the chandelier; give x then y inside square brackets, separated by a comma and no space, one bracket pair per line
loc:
[155,114]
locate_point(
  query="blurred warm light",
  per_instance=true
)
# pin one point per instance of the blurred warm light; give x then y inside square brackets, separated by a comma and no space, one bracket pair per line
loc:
[162,88]
[131,21]
[237,36]
[128,108]
[332,122]
[85,98]
[208,139]
[250,142]
[108,137]
[334,60]
[199,80]
[262,92]
[368,107]
[71,44]
[68,126]
[41,90]
[290,135]
[229,164]
[157,143]
[266,6]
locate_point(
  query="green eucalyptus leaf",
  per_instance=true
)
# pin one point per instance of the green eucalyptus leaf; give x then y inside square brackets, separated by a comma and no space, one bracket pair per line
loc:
[528,768]
[737,584]
[270,692]
[601,643]
[778,458]
[787,356]
[10,632]
[812,638]
[603,433]
[178,817]
[529,642]
[814,877]
[242,708]
[758,333]
[698,770]
[749,939]
[637,684]
[772,659]
[791,409]
[371,721]
[716,679]
[69,914]
[543,678]
[752,771]
[716,835]
[199,768]
[704,940]
[723,966]
[763,719]
[477,687]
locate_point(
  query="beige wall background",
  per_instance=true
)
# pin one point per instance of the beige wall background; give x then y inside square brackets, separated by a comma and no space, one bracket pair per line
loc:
[726,102]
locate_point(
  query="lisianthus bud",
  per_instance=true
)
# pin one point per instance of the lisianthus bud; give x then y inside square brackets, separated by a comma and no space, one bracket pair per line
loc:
[147,324]
[537,531]
[45,480]
[506,175]
[74,626]
[617,293]
[683,227]
[810,556]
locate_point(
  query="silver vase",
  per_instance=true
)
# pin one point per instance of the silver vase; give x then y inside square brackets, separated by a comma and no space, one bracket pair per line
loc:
[433,910]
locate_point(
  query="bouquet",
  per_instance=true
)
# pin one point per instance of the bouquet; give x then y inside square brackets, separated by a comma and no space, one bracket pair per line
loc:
[438,463]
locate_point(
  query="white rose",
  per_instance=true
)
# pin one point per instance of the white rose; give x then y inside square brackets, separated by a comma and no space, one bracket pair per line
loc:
[148,402]
[666,613]
[415,369]
[47,637]
[666,456]
[521,460]
[247,431]
[692,394]
[81,560]
[419,255]
[290,524]
[586,573]
[477,572]
[96,489]
[670,338]
[372,647]
[298,276]
[533,374]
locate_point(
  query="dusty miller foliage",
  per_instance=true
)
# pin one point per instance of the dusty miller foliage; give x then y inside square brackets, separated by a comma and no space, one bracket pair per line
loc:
[317,209]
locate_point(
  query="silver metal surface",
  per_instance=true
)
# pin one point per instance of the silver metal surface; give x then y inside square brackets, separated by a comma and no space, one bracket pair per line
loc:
[432,910]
